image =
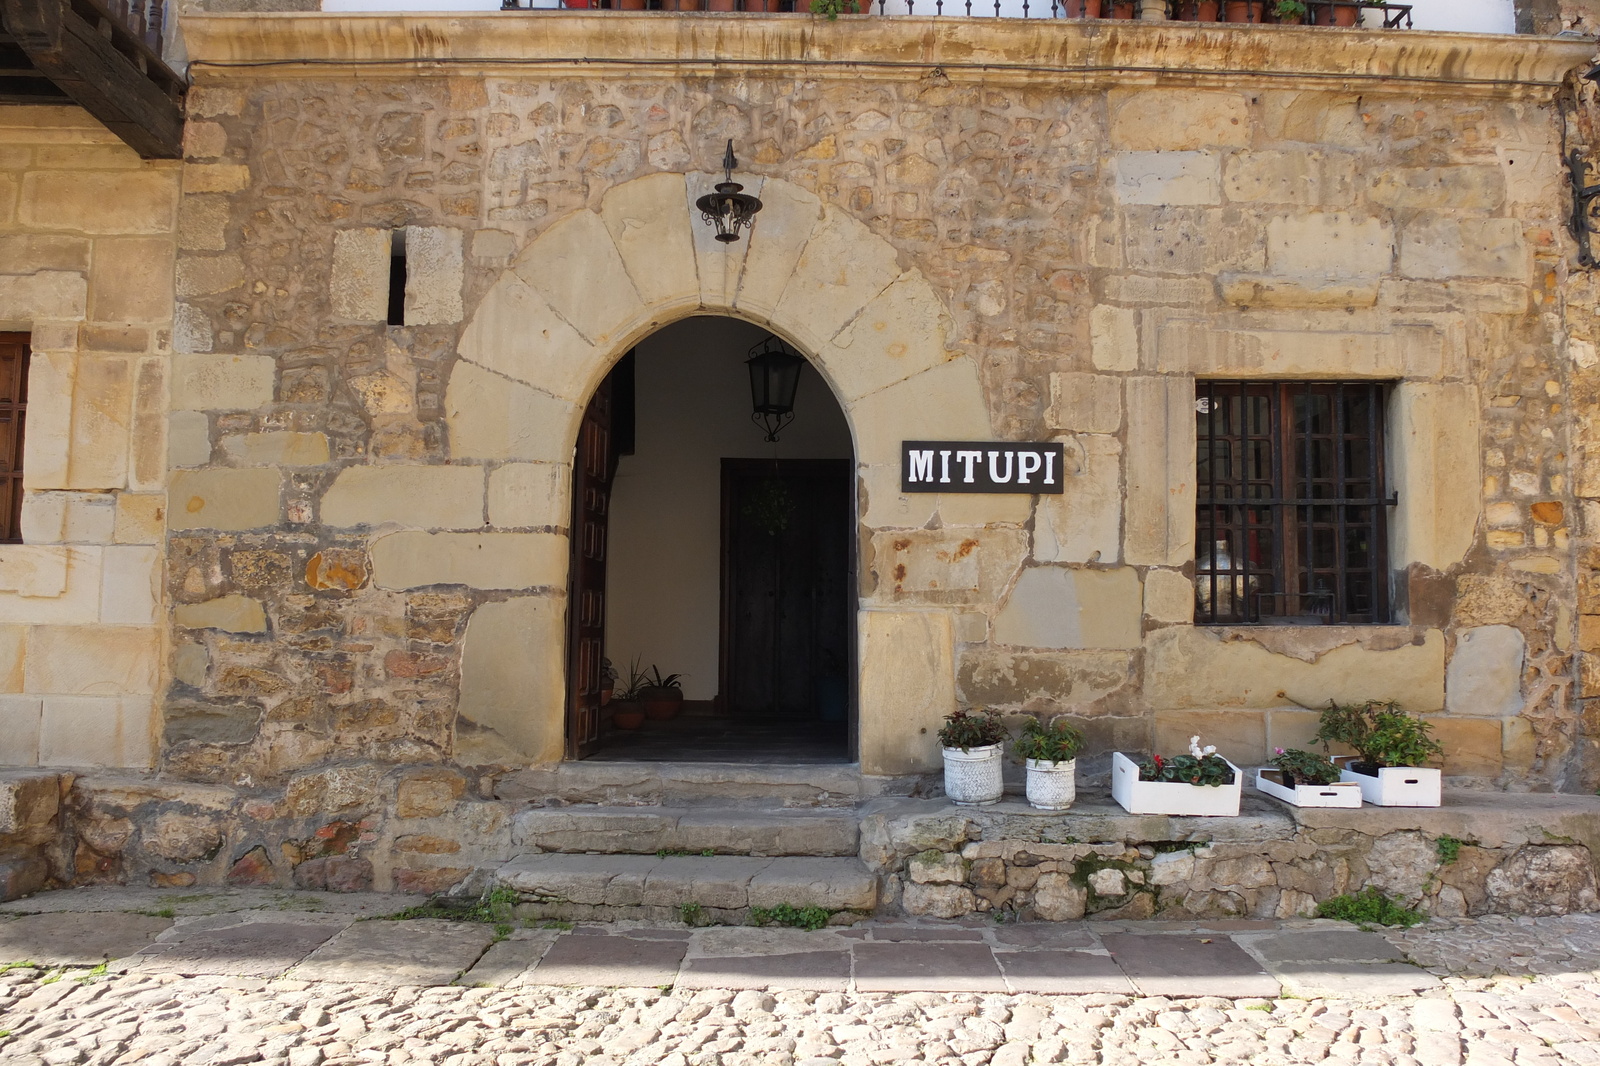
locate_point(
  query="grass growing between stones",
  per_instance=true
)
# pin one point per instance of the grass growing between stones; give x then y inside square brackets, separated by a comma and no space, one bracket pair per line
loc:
[1449,849]
[808,918]
[1368,908]
[492,908]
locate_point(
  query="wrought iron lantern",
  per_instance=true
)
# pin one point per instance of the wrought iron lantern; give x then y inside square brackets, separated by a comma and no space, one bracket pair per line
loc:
[774,377]
[730,208]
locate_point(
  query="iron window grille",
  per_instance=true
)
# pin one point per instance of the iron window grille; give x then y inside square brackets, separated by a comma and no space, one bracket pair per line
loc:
[1292,503]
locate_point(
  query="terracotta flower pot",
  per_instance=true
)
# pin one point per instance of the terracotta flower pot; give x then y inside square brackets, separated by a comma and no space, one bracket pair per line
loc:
[1083,9]
[627,715]
[1196,10]
[661,704]
[1336,15]
[606,694]
[1245,10]
[1124,9]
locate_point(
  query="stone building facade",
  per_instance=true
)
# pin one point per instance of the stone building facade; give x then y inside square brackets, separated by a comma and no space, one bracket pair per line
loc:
[1004,230]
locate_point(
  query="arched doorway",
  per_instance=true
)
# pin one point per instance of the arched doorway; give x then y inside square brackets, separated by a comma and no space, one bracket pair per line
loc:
[704,551]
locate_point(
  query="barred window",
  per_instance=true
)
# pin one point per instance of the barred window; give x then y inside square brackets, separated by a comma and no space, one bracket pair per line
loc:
[14,350]
[1291,519]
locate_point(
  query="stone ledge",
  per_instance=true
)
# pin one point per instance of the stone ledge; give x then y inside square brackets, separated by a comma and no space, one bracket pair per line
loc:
[990,50]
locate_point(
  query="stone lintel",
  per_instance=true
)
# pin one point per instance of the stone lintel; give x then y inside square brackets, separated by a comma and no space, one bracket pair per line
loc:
[989,50]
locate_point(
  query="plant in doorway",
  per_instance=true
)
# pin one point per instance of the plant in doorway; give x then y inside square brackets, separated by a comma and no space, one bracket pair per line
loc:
[1052,762]
[662,697]
[608,681]
[627,707]
[972,751]
[1391,746]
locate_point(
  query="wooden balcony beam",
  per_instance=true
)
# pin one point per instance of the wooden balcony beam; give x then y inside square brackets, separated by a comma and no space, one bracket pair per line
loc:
[99,64]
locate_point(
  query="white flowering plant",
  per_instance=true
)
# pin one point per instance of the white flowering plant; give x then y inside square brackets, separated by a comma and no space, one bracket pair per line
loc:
[1202,766]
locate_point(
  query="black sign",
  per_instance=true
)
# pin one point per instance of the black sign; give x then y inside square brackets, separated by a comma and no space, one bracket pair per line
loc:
[979,466]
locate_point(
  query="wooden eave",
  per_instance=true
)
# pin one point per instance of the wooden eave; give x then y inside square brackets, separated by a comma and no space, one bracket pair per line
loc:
[76,52]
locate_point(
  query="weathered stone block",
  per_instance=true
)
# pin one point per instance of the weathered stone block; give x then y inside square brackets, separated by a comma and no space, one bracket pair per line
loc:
[358,283]
[1057,607]
[203,382]
[575,266]
[764,266]
[898,334]
[277,449]
[414,559]
[1084,523]
[907,677]
[1058,680]
[1085,403]
[215,177]
[98,731]
[131,280]
[516,333]
[92,660]
[940,901]
[209,274]
[224,499]
[1168,179]
[1114,337]
[1256,290]
[210,723]
[1240,736]
[231,614]
[528,494]
[29,803]
[1290,177]
[19,730]
[129,579]
[511,661]
[425,497]
[88,201]
[1177,119]
[33,570]
[435,273]
[1433,247]
[1435,468]
[1158,521]
[649,226]
[842,267]
[1329,244]
[1168,596]
[1468,189]
[493,417]
[1485,673]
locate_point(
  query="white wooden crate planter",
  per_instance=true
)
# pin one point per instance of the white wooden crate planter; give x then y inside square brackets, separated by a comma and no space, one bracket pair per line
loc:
[1338,794]
[1172,797]
[1395,786]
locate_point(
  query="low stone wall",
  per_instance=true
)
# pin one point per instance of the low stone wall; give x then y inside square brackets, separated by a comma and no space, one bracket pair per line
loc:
[1502,854]
[31,841]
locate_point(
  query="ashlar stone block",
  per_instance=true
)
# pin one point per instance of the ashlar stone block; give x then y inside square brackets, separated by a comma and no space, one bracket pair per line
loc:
[529,494]
[514,332]
[907,686]
[1168,179]
[358,285]
[1058,607]
[19,730]
[224,499]
[493,417]
[78,604]
[102,413]
[435,273]
[88,201]
[1085,403]
[1484,678]
[897,335]
[414,495]
[1465,188]
[651,230]
[1309,177]
[232,614]
[47,294]
[103,731]
[46,447]
[131,280]
[948,396]
[92,660]
[843,266]
[1435,468]
[1434,247]
[205,275]
[1158,520]
[780,233]
[1168,596]
[1177,119]
[128,584]
[282,448]
[576,267]
[414,559]
[1084,523]
[205,382]
[188,439]
[1329,244]
[33,569]
[513,680]
[1114,337]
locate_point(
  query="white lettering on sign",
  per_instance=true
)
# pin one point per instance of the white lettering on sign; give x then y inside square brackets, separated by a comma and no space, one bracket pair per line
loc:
[980,466]
[922,465]
[1049,468]
[967,459]
[1027,463]
[994,469]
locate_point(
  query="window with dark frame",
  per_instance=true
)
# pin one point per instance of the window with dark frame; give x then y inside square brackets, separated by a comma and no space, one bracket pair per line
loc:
[1292,499]
[14,352]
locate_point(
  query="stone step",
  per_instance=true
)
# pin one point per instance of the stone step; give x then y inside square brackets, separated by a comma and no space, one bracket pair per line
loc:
[679,783]
[719,830]
[718,888]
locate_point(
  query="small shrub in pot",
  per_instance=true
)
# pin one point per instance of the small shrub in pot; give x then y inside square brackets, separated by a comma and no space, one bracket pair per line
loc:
[972,754]
[1051,755]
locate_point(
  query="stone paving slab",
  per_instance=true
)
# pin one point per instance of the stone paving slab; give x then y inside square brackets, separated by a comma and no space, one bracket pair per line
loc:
[1167,964]
[1352,979]
[1062,972]
[508,960]
[817,971]
[420,952]
[187,902]
[66,938]
[927,967]
[1337,946]
[608,962]
[236,945]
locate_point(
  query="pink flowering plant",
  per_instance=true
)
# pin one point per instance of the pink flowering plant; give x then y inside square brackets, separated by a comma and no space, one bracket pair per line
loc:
[1202,766]
[1304,767]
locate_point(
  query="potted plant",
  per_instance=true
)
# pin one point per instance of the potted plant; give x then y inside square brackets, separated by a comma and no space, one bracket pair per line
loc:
[972,757]
[1245,10]
[1289,12]
[1306,779]
[1199,783]
[662,697]
[1052,760]
[1196,10]
[1083,9]
[608,681]
[1123,9]
[834,8]
[626,710]
[1336,13]
[1390,748]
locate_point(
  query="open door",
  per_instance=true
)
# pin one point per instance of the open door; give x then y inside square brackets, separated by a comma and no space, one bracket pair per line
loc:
[592,468]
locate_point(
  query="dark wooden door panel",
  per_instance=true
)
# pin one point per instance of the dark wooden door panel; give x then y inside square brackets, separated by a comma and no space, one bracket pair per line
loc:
[592,468]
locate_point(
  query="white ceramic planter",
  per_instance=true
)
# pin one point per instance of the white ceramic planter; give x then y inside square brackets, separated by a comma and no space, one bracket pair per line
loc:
[972,778]
[1338,794]
[1172,797]
[1395,786]
[1052,786]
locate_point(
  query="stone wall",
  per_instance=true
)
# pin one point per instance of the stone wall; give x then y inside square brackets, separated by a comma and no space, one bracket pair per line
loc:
[88,233]
[367,544]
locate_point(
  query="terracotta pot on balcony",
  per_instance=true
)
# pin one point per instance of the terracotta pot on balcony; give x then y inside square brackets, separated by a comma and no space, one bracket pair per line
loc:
[628,5]
[1083,9]
[1336,15]
[1245,10]
[1197,10]
[682,5]
[1124,9]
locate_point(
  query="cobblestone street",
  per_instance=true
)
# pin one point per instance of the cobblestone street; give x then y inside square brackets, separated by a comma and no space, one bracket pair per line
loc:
[263,978]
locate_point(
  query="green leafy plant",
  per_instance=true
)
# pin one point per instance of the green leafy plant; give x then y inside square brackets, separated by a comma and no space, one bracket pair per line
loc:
[834,8]
[1380,732]
[1368,908]
[1202,766]
[691,914]
[1449,849]
[1304,767]
[638,681]
[808,918]
[492,908]
[966,730]
[1285,10]
[1060,742]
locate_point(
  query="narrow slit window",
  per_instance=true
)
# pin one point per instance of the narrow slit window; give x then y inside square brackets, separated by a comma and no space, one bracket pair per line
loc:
[14,352]
[1292,503]
[397,277]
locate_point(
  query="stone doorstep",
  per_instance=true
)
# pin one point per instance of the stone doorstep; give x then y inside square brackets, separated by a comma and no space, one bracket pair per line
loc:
[722,830]
[681,783]
[622,883]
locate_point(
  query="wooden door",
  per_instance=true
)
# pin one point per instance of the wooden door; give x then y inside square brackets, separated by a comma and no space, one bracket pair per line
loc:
[592,468]
[786,588]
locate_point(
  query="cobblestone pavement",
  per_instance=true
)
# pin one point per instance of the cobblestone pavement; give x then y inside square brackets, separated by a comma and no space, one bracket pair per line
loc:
[218,981]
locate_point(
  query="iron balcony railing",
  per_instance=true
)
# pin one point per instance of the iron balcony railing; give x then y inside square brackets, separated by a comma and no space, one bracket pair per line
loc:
[145,19]
[1303,12]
